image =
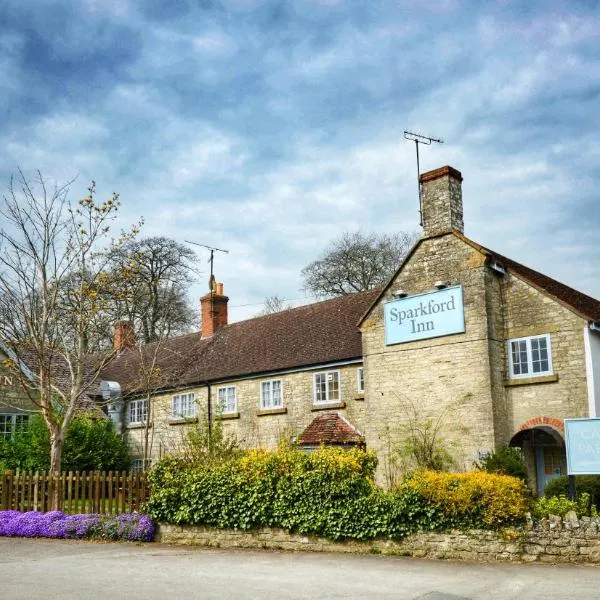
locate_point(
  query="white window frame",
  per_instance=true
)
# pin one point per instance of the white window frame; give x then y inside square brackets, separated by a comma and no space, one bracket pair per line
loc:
[136,412]
[138,466]
[221,407]
[530,373]
[360,380]
[328,399]
[183,406]
[8,434]
[266,398]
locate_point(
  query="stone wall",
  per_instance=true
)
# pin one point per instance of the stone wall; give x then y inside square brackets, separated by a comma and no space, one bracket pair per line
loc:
[445,376]
[550,541]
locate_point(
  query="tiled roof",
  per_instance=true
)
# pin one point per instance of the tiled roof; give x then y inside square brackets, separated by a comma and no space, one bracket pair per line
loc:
[582,304]
[319,333]
[330,429]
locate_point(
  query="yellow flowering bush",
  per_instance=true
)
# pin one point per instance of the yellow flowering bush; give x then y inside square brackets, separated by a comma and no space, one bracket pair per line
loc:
[476,497]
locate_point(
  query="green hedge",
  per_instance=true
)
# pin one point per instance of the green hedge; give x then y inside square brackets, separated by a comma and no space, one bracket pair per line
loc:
[328,492]
[588,484]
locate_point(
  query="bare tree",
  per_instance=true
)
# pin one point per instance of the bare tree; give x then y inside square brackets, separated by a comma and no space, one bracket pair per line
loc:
[356,262]
[152,276]
[53,275]
[274,304]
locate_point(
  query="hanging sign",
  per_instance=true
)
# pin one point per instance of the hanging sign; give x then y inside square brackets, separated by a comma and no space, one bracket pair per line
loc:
[424,316]
[582,440]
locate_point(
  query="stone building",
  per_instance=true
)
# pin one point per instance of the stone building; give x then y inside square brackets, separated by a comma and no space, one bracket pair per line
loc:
[480,349]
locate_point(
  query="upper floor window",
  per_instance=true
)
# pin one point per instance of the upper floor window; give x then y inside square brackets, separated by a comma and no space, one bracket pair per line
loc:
[530,356]
[138,411]
[360,379]
[326,387]
[270,394]
[11,423]
[183,406]
[227,401]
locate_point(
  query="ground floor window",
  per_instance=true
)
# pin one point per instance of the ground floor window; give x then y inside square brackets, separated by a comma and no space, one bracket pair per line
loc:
[138,412]
[270,394]
[137,464]
[183,406]
[360,379]
[327,387]
[227,399]
[9,423]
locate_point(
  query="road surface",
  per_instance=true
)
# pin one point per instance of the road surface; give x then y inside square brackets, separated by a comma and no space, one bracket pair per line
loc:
[59,569]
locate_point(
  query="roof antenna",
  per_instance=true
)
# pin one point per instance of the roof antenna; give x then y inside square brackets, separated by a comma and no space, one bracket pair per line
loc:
[420,139]
[211,260]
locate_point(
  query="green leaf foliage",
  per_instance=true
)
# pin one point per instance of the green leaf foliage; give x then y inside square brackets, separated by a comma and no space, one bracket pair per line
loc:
[328,492]
[90,445]
[506,461]
[588,484]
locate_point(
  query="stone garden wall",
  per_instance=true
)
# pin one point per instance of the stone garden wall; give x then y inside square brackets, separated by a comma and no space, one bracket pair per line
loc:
[551,541]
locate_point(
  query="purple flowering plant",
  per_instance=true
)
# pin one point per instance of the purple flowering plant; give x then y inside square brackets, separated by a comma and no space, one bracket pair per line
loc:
[132,527]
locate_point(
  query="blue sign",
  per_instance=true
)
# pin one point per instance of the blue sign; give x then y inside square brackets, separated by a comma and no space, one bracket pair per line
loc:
[424,316]
[582,438]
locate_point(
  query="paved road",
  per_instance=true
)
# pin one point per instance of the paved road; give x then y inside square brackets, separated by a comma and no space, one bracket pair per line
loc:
[53,569]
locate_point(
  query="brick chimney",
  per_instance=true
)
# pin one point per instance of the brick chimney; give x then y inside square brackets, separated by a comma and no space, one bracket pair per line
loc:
[441,201]
[124,336]
[213,308]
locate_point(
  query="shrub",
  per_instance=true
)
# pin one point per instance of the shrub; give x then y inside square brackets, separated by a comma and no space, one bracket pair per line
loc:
[506,461]
[90,444]
[55,524]
[589,484]
[329,492]
[472,499]
[561,505]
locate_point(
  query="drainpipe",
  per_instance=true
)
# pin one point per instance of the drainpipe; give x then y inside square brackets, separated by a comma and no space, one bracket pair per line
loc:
[209,407]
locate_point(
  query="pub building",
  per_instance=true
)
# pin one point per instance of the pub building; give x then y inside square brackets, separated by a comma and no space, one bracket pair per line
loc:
[495,353]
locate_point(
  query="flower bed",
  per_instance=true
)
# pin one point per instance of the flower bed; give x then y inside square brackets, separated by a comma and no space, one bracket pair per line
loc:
[131,527]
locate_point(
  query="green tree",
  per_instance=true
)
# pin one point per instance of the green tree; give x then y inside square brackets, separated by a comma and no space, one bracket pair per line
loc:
[90,445]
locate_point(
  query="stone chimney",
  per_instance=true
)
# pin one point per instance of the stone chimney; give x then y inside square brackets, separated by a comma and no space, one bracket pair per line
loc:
[441,201]
[124,336]
[213,309]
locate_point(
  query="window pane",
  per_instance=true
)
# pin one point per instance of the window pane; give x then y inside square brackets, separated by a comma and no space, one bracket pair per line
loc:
[519,357]
[5,426]
[265,396]
[361,380]
[321,387]
[276,394]
[334,386]
[539,355]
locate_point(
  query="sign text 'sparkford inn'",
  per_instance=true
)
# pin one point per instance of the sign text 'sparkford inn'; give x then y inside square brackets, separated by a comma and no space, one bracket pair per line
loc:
[424,316]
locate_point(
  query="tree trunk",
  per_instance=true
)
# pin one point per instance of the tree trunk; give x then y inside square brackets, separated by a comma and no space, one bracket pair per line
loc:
[56,448]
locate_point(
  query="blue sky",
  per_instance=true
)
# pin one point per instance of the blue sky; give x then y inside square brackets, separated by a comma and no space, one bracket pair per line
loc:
[269,128]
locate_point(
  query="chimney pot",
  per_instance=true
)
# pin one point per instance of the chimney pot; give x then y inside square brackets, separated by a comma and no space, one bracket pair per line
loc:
[441,201]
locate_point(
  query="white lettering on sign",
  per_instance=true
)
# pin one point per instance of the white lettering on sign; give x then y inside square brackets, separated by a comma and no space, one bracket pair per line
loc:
[423,316]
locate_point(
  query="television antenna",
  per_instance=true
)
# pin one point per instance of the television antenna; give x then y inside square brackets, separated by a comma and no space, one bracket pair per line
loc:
[211,260]
[417,138]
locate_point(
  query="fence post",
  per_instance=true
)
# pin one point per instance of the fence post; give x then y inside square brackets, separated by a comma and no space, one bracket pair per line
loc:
[4,497]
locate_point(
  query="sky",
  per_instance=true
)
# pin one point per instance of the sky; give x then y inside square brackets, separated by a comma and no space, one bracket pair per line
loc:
[269,128]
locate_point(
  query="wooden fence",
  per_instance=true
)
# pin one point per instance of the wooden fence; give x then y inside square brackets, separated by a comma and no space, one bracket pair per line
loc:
[78,492]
